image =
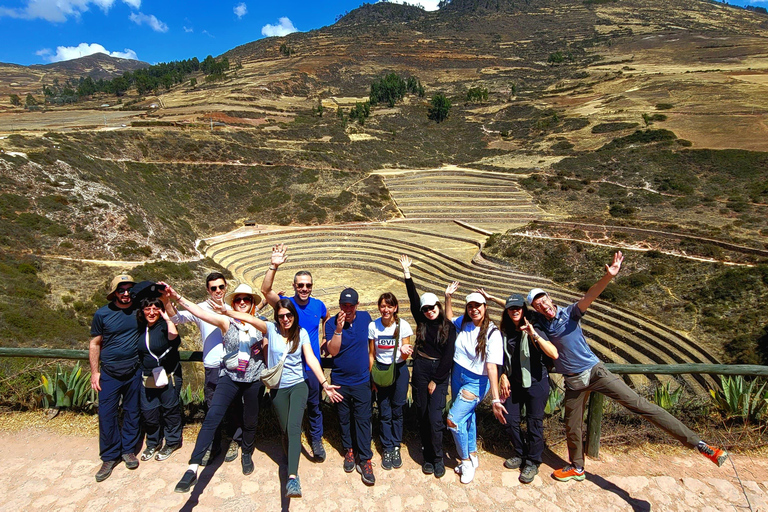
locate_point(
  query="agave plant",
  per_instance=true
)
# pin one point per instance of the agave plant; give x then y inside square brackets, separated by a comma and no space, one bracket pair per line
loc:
[740,398]
[189,397]
[666,399]
[64,390]
[555,401]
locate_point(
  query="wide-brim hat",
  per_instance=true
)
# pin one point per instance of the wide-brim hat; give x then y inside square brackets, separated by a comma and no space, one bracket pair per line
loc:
[117,281]
[242,289]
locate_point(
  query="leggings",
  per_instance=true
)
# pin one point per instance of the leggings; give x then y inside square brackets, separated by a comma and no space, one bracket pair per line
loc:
[290,404]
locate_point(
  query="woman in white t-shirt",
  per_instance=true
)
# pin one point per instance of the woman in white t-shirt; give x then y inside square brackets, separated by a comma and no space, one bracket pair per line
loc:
[479,348]
[285,339]
[390,344]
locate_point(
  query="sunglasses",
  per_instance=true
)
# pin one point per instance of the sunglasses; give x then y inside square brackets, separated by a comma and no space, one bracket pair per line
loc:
[219,287]
[300,286]
[123,291]
[242,299]
[285,315]
[427,309]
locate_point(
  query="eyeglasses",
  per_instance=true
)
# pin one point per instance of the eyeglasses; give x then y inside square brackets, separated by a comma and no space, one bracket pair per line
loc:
[300,286]
[242,299]
[427,309]
[219,287]
[151,308]
[474,305]
[123,291]
[285,315]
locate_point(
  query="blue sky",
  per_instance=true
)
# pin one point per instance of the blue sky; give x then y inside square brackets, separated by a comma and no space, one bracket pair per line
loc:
[43,31]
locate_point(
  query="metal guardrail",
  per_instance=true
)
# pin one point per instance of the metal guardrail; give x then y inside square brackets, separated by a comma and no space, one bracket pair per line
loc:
[595,411]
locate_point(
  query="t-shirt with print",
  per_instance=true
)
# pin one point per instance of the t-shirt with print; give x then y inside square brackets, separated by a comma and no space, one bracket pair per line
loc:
[564,331]
[466,342]
[384,339]
[310,316]
[293,368]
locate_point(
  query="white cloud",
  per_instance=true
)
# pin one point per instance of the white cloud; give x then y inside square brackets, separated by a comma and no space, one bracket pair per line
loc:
[188,29]
[283,28]
[59,11]
[428,5]
[81,50]
[140,18]
[240,10]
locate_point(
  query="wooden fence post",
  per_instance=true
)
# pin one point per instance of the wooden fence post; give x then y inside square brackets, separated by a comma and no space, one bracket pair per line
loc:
[594,419]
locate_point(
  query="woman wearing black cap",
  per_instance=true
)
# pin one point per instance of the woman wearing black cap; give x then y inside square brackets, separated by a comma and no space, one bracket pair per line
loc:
[523,383]
[432,362]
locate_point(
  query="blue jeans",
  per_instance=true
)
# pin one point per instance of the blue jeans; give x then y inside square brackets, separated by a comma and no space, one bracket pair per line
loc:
[391,400]
[467,390]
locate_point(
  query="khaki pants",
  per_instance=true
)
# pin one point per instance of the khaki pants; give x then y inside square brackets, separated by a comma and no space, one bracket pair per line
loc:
[603,381]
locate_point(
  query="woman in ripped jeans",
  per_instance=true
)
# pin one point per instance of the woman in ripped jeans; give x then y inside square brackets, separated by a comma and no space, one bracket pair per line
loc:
[479,349]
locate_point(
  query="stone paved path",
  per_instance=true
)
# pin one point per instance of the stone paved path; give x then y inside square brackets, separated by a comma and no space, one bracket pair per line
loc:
[46,471]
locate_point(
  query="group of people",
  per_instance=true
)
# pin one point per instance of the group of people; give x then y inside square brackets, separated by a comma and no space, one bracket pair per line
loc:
[134,359]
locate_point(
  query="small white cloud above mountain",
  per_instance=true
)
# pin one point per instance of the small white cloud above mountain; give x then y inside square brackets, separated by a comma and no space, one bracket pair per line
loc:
[74,52]
[283,28]
[240,10]
[155,24]
[58,11]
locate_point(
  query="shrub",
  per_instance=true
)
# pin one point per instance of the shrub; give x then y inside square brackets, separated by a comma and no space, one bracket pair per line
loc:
[666,399]
[477,94]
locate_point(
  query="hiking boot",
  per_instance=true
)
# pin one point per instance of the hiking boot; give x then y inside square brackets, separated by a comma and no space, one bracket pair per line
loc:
[716,455]
[293,488]
[318,450]
[386,460]
[166,451]
[231,452]
[131,462]
[349,461]
[427,468]
[568,473]
[397,461]
[148,453]
[106,469]
[247,462]
[528,473]
[513,462]
[366,472]
[439,469]
[186,482]
[467,471]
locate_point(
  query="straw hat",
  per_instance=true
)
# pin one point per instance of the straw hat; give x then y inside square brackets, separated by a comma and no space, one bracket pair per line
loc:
[242,289]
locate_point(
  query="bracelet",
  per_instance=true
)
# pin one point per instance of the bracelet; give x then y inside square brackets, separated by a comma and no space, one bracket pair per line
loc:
[324,382]
[272,268]
[495,401]
[337,333]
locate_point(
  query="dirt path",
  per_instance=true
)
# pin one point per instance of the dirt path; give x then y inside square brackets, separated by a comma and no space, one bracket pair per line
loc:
[45,470]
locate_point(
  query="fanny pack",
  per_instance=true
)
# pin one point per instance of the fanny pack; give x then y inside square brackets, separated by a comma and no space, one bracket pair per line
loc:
[121,370]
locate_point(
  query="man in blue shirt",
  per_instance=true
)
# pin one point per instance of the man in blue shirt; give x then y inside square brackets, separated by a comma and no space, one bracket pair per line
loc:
[583,373]
[347,335]
[115,344]
[312,315]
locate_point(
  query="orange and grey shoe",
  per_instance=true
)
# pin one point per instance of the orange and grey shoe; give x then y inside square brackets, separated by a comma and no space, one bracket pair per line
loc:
[716,455]
[568,473]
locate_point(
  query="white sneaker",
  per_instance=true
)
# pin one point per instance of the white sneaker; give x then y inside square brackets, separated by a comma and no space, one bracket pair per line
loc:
[467,471]
[475,460]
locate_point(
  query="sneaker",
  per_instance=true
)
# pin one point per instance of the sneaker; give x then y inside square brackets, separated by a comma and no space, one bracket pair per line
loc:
[716,455]
[366,472]
[131,462]
[148,453]
[568,473]
[186,482]
[166,451]
[349,461]
[439,469]
[106,469]
[513,462]
[467,471]
[397,461]
[386,460]
[231,452]
[247,462]
[475,461]
[427,468]
[318,450]
[528,473]
[293,488]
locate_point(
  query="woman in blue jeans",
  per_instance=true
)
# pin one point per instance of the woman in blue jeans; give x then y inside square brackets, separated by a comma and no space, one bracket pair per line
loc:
[478,351]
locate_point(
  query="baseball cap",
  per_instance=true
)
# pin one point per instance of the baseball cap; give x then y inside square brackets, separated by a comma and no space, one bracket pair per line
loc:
[515,301]
[535,293]
[475,297]
[348,296]
[428,299]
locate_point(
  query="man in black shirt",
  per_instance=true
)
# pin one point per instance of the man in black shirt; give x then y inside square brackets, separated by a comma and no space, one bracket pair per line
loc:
[115,345]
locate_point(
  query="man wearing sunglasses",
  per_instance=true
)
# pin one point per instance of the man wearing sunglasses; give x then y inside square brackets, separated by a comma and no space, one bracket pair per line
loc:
[115,344]
[312,316]
[213,352]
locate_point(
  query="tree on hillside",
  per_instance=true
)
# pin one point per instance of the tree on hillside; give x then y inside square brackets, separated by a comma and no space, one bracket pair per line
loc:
[15,100]
[30,101]
[389,90]
[440,107]
[193,82]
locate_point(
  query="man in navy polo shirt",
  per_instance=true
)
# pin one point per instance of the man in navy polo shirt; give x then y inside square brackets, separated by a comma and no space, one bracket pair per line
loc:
[347,335]
[312,315]
[115,344]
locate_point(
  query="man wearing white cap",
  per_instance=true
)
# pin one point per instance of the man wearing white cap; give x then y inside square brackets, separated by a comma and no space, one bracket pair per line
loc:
[584,373]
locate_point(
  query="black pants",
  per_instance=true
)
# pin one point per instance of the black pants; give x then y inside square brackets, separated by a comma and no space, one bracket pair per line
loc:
[534,399]
[161,411]
[429,408]
[233,419]
[356,407]
[229,392]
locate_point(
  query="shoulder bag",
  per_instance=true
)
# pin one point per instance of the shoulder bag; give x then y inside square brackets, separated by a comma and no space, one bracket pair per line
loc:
[383,375]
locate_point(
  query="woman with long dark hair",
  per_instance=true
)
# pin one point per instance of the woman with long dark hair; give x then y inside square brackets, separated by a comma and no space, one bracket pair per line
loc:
[288,342]
[432,361]
[161,374]
[524,383]
[479,350]
[390,344]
